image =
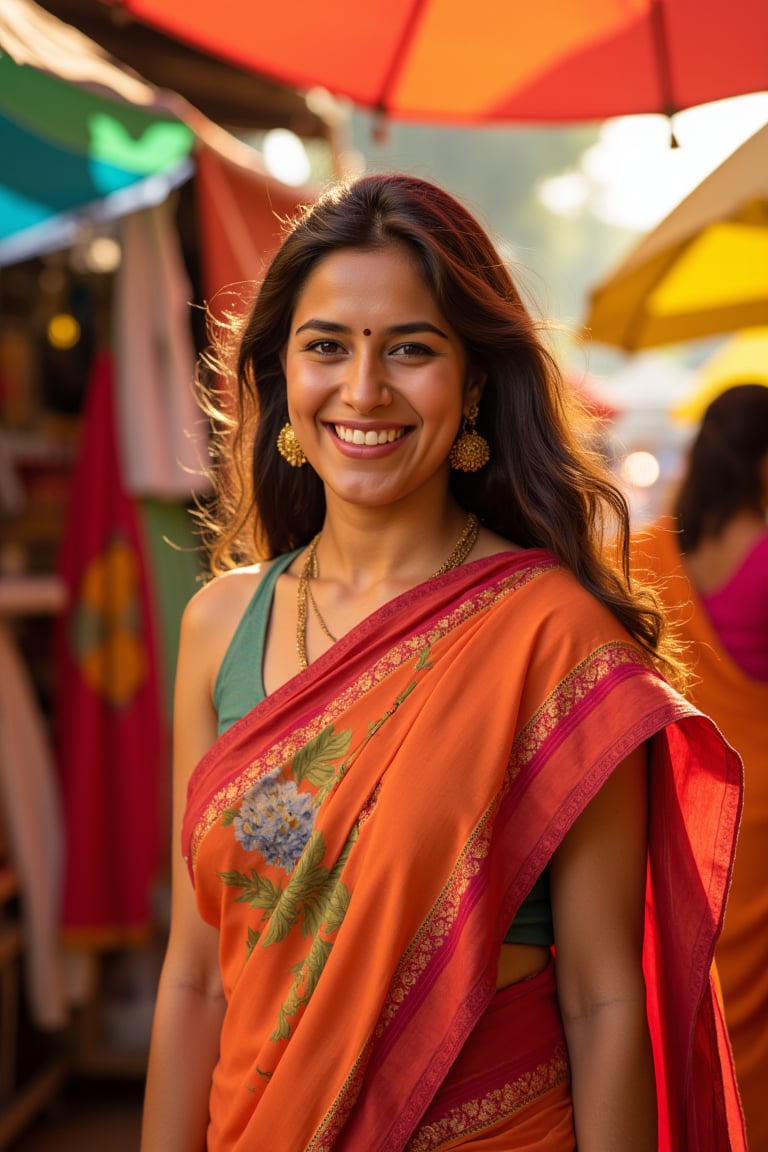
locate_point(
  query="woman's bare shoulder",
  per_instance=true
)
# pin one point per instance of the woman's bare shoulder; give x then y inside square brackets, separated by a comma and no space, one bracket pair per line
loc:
[214,611]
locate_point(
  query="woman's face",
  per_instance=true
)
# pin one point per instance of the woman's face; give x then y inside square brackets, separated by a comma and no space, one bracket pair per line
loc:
[377,378]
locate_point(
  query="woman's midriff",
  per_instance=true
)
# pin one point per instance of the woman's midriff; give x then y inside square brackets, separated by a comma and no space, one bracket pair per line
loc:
[519,962]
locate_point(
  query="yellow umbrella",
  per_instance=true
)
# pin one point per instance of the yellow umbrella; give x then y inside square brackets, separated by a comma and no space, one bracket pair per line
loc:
[741,360]
[703,270]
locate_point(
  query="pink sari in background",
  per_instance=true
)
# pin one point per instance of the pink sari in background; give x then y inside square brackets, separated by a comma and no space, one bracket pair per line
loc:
[423,772]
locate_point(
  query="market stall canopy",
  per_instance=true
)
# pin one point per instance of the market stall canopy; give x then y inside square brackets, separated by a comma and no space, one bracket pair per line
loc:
[84,138]
[68,153]
[491,60]
[703,270]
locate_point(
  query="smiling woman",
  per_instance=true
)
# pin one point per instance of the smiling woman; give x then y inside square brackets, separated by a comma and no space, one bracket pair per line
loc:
[418,709]
[376,415]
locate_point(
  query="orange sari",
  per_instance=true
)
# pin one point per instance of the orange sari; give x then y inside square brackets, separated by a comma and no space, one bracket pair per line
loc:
[739,707]
[422,773]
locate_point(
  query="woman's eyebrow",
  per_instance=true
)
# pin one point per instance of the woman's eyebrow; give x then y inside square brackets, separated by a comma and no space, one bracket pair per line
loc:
[394,330]
[323,326]
[416,326]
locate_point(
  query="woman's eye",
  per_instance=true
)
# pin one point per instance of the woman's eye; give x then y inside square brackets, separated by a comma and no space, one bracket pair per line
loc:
[412,350]
[325,347]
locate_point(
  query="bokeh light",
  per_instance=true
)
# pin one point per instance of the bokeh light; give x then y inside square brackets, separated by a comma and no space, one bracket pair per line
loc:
[641,469]
[63,331]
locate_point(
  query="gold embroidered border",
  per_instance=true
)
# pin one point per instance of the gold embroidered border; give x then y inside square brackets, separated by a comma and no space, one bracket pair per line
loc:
[438,924]
[571,691]
[413,963]
[561,701]
[336,1117]
[491,1109]
[229,794]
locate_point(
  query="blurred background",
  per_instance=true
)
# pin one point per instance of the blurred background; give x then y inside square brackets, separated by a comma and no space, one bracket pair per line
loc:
[148,152]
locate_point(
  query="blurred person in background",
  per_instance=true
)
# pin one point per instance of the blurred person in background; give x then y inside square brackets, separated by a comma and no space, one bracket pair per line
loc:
[711,562]
[441,884]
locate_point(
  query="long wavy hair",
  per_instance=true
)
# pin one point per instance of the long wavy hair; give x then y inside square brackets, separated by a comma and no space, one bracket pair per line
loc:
[542,487]
[725,472]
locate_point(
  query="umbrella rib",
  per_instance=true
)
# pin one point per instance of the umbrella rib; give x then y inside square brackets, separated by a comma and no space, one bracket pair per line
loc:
[664,66]
[397,58]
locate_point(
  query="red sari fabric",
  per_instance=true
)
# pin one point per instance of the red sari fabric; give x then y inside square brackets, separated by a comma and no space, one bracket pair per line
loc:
[420,775]
[510,1085]
[739,706]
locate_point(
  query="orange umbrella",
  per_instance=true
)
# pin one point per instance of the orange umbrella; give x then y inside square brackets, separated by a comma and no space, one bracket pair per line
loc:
[490,60]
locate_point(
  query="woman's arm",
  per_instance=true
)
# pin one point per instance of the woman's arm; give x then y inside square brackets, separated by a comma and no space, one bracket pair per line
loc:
[598,898]
[190,1003]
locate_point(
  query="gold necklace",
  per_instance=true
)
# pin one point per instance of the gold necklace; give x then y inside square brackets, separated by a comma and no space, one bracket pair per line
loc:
[304,597]
[462,547]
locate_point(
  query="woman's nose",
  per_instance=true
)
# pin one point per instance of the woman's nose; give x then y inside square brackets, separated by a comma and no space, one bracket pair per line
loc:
[365,385]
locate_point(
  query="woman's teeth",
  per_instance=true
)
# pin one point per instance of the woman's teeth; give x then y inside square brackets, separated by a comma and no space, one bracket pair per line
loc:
[358,436]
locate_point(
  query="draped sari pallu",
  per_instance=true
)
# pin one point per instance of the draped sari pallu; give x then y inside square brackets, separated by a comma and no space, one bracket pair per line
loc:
[363,838]
[739,706]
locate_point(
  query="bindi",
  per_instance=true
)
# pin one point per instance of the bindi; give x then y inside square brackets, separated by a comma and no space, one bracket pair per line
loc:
[366,331]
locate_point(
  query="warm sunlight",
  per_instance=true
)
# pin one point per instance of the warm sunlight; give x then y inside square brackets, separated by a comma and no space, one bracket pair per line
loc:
[632,177]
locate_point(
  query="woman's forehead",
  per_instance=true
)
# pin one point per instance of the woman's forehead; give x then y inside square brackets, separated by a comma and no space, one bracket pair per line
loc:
[383,279]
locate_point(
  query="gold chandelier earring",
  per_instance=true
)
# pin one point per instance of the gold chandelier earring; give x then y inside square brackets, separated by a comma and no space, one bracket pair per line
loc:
[289,447]
[470,451]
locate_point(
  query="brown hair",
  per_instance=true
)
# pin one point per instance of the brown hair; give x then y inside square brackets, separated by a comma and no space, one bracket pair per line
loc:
[542,487]
[724,464]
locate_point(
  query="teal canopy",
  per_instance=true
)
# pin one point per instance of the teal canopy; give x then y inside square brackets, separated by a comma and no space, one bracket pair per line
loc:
[68,154]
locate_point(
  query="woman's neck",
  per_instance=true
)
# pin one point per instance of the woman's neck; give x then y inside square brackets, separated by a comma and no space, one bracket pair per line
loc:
[361,552]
